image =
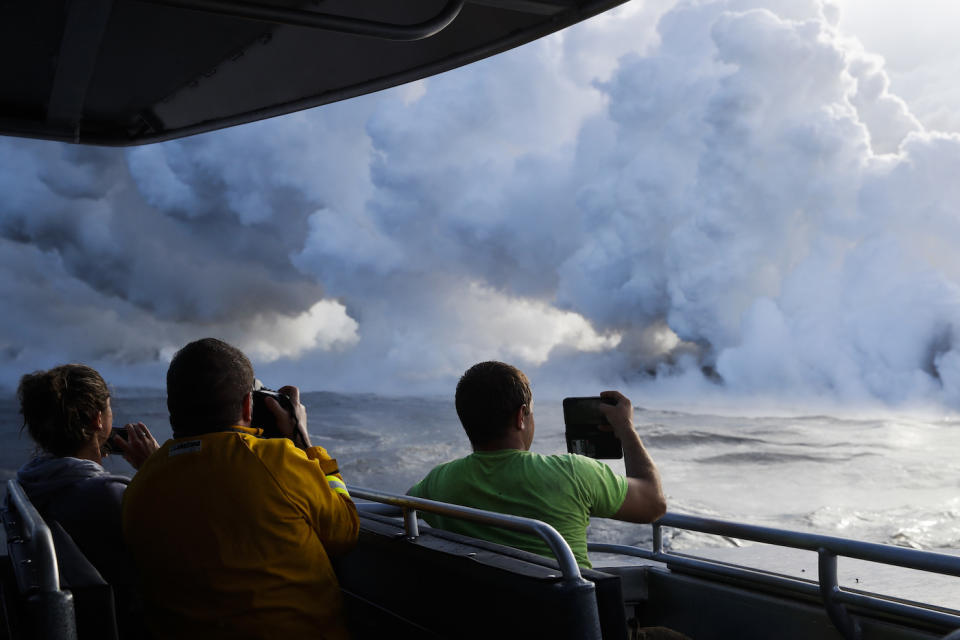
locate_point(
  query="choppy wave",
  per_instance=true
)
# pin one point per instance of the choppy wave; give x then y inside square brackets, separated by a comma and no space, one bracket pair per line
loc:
[695,438]
[905,526]
[774,457]
[883,479]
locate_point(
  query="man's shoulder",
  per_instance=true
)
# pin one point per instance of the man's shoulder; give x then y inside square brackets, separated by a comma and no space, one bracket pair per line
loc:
[572,466]
[563,460]
[508,458]
[504,461]
[259,443]
[438,475]
[219,449]
[450,466]
[229,439]
[281,458]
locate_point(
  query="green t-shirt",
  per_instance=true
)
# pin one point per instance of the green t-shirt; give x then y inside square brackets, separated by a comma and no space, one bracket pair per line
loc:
[562,490]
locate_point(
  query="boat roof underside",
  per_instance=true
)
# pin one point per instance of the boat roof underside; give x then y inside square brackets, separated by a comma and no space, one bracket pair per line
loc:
[128,72]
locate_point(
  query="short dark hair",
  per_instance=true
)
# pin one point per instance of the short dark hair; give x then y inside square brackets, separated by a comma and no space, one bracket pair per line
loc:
[58,406]
[206,383]
[488,394]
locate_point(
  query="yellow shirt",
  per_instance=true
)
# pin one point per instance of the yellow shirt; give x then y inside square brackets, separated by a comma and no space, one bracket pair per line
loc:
[231,535]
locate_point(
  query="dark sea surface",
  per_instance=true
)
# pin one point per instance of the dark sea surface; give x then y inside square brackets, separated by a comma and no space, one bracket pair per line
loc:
[886,479]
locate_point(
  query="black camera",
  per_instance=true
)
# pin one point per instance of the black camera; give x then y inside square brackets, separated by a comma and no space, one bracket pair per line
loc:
[263,418]
[117,432]
[583,419]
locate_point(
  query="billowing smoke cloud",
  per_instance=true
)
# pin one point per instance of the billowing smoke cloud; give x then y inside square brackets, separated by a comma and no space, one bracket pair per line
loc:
[734,200]
[777,208]
[107,259]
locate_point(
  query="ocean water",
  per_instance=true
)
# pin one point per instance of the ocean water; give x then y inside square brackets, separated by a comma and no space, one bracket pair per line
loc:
[885,479]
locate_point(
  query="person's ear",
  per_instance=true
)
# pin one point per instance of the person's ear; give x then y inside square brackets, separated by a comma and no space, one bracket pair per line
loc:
[96,422]
[518,417]
[246,409]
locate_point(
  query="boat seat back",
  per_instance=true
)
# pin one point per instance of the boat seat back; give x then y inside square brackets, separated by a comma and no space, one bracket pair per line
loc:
[93,598]
[35,605]
[11,613]
[444,585]
[103,610]
[80,605]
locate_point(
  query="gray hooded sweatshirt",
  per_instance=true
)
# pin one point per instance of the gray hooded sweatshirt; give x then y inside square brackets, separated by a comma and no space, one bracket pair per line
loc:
[85,499]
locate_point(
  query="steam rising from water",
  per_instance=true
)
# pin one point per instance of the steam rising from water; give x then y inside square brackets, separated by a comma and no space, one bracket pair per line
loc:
[736,198]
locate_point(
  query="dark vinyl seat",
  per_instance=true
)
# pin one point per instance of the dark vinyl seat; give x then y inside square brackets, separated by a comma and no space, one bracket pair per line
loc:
[445,585]
[83,605]
[93,598]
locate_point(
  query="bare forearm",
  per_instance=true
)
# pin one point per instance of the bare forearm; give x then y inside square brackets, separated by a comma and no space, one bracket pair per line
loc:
[645,501]
[637,461]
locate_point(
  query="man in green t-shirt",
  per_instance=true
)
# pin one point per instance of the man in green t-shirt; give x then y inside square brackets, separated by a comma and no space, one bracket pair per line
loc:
[495,406]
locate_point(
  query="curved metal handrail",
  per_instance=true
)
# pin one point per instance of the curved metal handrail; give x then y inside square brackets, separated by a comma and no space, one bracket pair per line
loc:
[870,551]
[342,24]
[36,534]
[827,549]
[409,504]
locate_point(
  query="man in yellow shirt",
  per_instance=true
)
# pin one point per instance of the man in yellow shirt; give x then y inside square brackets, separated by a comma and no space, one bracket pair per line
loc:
[231,531]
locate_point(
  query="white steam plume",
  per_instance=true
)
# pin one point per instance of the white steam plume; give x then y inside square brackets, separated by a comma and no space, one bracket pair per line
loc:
[734,197]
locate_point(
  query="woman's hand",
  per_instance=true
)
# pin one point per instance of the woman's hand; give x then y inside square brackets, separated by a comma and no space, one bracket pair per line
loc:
[139,444]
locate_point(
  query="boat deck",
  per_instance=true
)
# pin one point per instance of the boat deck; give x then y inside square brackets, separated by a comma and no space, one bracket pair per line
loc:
[405,579]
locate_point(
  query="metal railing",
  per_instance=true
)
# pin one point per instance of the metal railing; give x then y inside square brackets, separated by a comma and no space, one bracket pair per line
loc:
[409,506]
[828,548]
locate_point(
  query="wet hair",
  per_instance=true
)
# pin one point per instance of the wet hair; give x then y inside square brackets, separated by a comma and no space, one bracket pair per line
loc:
[58,406]
[488,395]
[206,383]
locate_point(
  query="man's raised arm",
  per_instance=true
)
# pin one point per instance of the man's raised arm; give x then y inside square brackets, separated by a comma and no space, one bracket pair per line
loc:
[645,501]
[327,503]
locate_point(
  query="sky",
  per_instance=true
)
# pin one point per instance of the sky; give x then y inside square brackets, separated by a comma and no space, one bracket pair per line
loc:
[727,198]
